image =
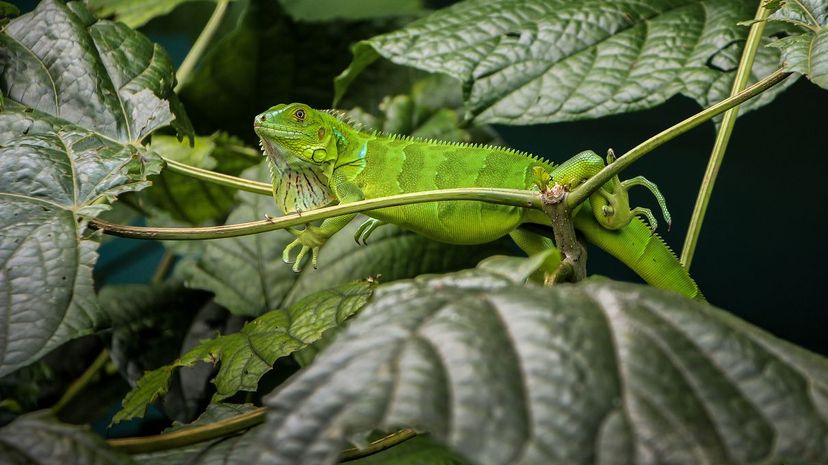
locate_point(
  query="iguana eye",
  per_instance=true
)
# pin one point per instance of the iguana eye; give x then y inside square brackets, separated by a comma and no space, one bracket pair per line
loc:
[299,114]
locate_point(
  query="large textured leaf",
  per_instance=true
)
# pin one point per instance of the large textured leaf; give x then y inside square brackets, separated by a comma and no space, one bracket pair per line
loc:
[78,95]
[807,52]
[250,353]
[539,61]
[600,372]
[99,75]
[39,439]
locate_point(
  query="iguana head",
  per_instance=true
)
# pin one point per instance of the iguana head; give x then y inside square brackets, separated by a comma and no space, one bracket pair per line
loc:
[299,145]
[298,130]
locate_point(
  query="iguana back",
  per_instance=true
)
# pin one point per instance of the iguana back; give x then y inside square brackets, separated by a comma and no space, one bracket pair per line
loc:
[388,165]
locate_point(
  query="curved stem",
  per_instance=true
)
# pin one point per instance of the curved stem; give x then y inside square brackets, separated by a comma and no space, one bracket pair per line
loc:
[513,197]
[233,425]
[164,266]
[379,445]
[582,192]
[723,136]
[219,178]
[83,380]
[200,44]
[187,436]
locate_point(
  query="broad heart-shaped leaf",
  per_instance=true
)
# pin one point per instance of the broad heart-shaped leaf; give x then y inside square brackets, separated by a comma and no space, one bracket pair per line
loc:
[50,174]
[78,95]
[99,75]
[541,61]
[39,439]
[805,53]
[247,355]
[599,372]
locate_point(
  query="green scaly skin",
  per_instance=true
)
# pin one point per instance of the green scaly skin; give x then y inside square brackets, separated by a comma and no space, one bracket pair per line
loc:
[318,158]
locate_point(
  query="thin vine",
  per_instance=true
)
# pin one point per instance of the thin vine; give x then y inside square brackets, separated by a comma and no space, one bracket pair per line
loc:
[723,136]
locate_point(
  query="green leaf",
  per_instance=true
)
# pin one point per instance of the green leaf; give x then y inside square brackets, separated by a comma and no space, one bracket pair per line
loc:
[133,13]
[99,75]
[326,10]
[190,200]
[79,95]
[807,52]
[250,353]
[541,61]
[230,450]
[599,372]
[39,439]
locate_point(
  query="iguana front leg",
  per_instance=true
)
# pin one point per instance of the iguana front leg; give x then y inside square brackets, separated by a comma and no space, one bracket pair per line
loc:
[312,238]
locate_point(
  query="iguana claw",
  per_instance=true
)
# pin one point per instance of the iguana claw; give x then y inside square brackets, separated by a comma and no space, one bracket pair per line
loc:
[648,214]
[311,240]
[366,229]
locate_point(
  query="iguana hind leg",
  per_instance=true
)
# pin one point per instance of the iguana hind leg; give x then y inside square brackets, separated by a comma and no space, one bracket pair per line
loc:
[651,186]
[533,243]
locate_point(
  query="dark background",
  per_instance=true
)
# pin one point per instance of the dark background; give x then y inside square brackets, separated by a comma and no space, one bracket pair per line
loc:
[761,254]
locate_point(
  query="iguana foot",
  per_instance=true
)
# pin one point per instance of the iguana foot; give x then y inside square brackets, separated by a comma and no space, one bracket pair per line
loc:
[366,229]
[648,214]
[311,239]
[642,181]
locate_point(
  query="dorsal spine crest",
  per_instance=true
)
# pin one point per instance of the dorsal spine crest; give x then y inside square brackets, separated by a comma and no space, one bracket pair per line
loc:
[343,117]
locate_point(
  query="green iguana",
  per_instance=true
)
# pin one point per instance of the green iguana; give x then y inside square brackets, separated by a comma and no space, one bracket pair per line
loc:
[318,158]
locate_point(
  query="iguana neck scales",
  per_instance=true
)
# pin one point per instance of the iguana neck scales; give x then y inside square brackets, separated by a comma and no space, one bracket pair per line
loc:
[318,158]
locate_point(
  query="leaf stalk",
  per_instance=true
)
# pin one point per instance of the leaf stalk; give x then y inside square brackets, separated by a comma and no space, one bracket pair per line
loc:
[219,178]
[200,45]
[723,136]
[188,436]
[87,377]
